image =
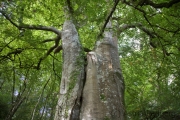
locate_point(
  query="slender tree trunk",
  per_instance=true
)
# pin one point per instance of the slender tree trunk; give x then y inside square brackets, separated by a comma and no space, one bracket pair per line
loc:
[98,94]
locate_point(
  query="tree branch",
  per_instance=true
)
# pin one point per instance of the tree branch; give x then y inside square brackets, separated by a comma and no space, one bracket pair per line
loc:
[39,27]
[167,30]
[8,18]
[151,3]
[36,27]
[150,33]
[161,5]
[70,7]
[108,18]
[48,40]
[139,25]
[32,27]
[57,39]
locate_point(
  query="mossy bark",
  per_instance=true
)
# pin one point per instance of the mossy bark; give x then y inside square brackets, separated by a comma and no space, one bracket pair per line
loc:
[72,75]
[104,88]
[101,96]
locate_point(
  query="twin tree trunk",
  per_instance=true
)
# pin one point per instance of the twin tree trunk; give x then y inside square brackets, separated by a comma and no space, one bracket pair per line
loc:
[92,89]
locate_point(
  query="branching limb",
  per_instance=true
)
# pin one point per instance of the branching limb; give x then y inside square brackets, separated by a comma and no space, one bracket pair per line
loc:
[57,49]
[70,7]
[36,27]
[167,30]
[108,17]
[137,25]
[149,32]
[39,27]
[48,52]
[32,27]
[153,4]
[161,5]
[48,40]
[145,17]
[8,18]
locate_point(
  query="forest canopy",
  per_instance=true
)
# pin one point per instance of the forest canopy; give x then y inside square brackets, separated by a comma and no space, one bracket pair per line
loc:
[148,33]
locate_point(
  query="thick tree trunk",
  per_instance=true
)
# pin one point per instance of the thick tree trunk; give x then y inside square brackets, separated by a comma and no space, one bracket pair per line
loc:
[101,97]
[104,87]
[69,102]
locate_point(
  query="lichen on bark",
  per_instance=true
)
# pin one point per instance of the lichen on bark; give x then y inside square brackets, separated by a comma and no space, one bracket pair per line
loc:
[72,75]
[101,96]
[104,87]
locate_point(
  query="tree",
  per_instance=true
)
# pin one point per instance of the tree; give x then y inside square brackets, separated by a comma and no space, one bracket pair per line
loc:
[86,37]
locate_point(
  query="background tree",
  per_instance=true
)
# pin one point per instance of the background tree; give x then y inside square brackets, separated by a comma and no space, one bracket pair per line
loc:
[85,37]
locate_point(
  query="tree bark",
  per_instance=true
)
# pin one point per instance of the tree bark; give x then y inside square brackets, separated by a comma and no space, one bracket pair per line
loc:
[104,88]
[72,75]
[100,94]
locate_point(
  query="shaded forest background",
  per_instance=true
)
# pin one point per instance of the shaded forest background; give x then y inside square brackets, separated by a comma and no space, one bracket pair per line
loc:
[149,51]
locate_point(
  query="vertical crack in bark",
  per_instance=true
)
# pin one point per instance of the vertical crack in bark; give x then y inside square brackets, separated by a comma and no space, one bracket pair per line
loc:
[75,114]
[97,93]
[91,104]
[75,110]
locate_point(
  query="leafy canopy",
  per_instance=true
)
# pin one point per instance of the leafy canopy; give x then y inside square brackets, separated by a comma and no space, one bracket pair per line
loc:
[148,33]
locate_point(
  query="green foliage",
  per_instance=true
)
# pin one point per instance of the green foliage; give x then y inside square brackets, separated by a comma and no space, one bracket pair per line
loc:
[102,97]
[4,107]
[149,53]
[79,64]
[106,118]
[149,75]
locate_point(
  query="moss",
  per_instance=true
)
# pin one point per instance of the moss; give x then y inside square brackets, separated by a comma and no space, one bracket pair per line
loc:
[66,113]
[76,73]
[106,118]
[102,97]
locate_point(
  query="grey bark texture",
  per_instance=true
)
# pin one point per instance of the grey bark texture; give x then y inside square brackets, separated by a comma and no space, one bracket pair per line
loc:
[103,91]
[104,88]
[72,75]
